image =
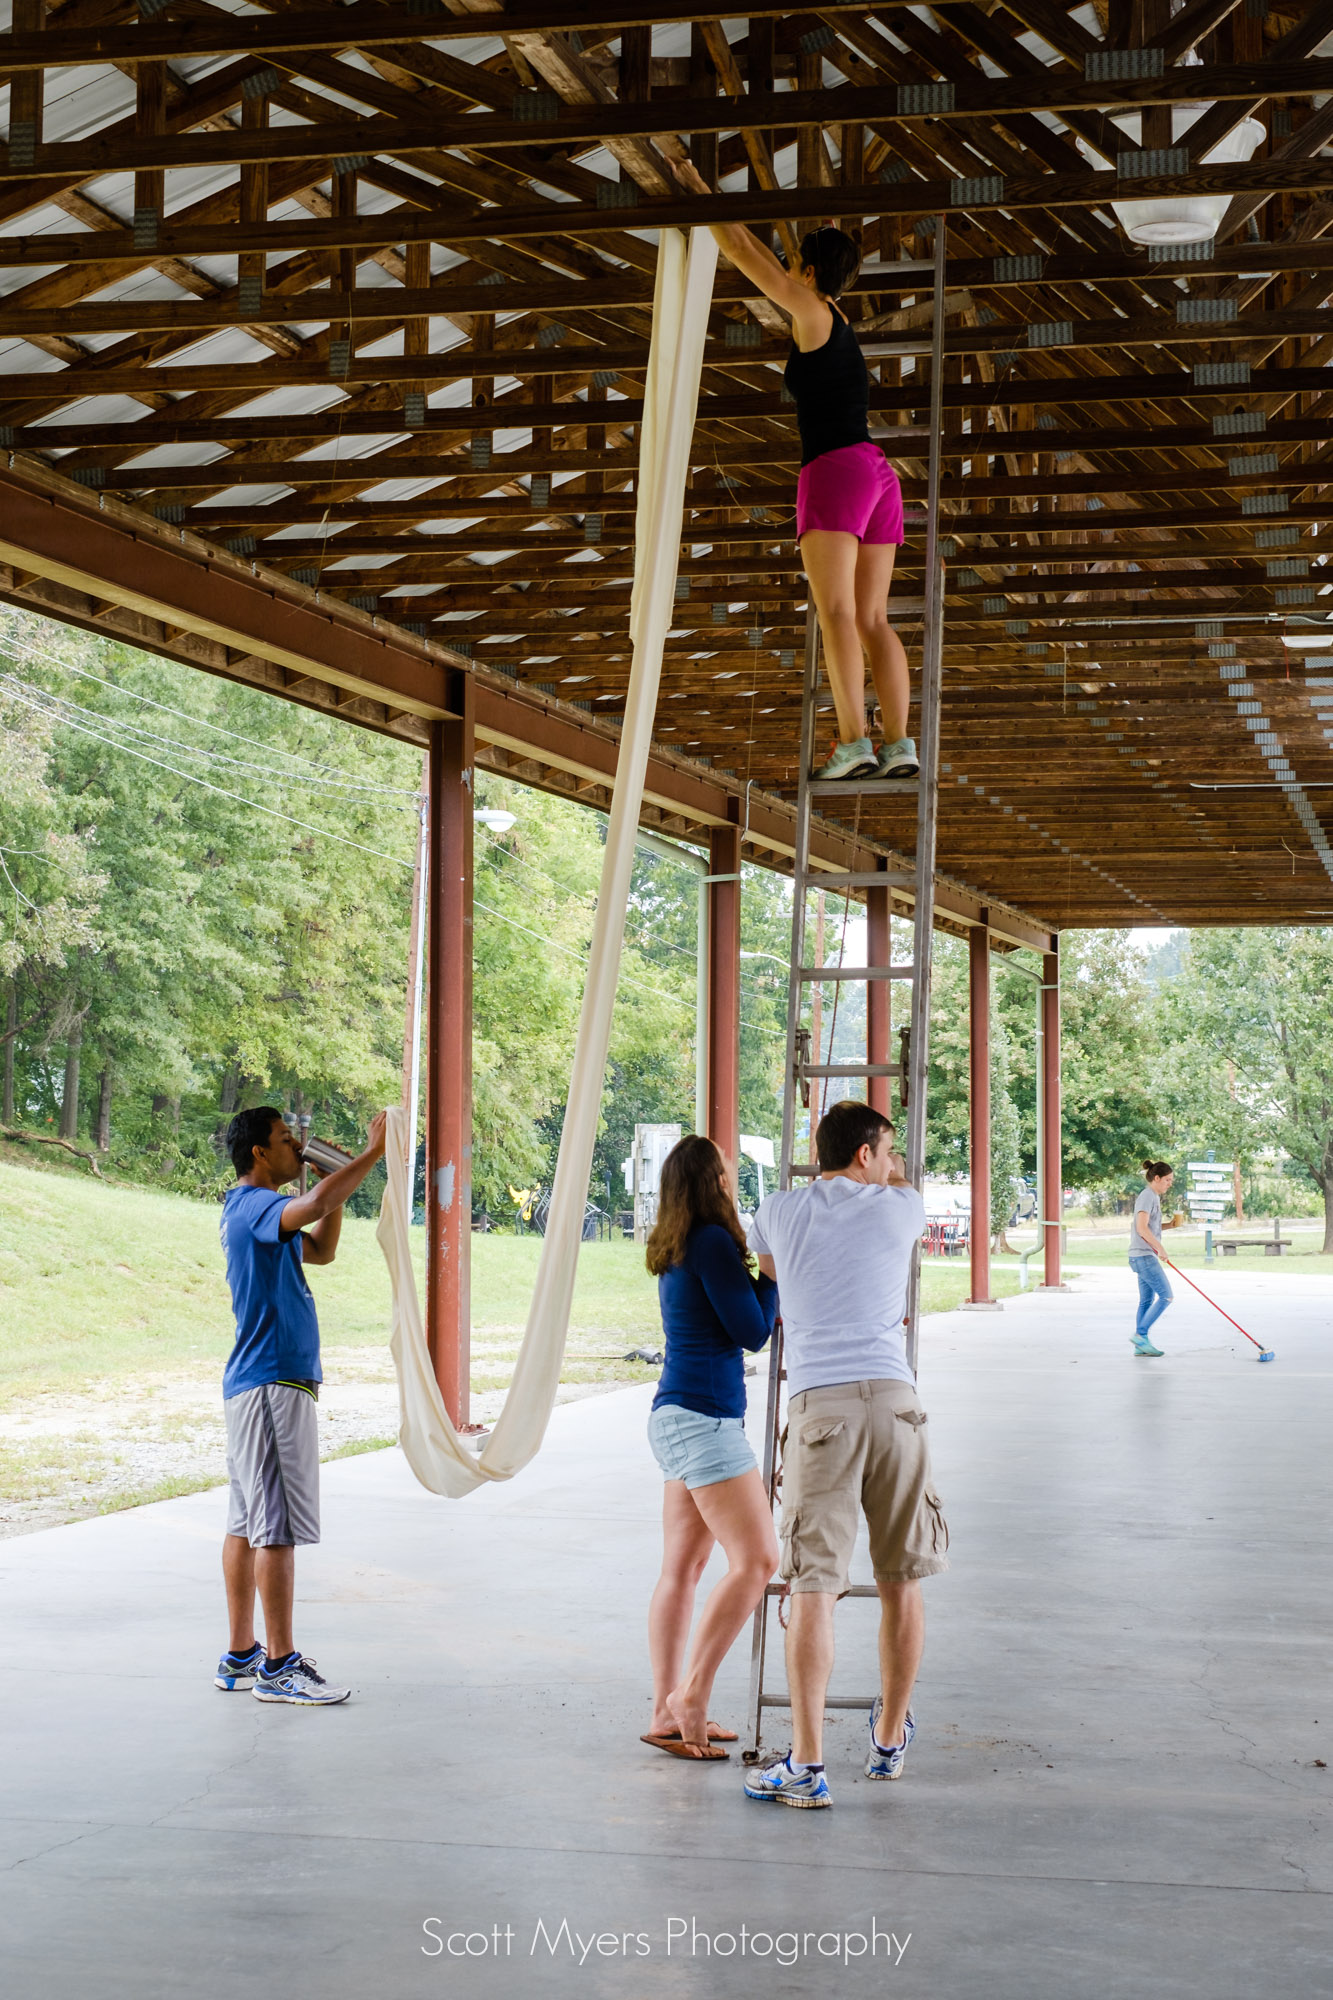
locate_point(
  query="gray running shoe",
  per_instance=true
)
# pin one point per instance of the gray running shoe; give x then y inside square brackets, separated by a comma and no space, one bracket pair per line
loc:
[849,760]
[882,1763]
[237,1671]
[296,1681]
[779,1782]
[897,760]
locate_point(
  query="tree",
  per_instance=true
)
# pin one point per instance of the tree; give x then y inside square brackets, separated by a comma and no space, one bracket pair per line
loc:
[251,916]
[1110,1036]
[49,884]
[1006,1152]
[1259,1000]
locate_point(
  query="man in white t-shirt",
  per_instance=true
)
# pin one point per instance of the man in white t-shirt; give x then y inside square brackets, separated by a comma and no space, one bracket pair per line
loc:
[841,1249]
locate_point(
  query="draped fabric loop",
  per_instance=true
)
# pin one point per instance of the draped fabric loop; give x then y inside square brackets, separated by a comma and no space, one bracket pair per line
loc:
[437,1455]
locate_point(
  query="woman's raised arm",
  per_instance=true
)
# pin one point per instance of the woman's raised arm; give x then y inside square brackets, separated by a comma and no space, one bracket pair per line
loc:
[755,261]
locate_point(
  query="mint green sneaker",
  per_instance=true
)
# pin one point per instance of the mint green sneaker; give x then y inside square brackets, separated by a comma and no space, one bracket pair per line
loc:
[849,760]
[897,760]
[1145,1346]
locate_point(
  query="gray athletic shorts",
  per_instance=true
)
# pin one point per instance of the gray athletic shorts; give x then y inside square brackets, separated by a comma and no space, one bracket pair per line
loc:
[273,1463]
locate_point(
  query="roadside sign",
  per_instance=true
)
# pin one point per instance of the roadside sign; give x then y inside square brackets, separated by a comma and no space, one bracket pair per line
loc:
[1210,1189]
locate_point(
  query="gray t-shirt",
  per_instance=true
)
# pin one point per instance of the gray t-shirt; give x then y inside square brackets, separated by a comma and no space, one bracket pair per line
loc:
[842,1250]
[1150,1204]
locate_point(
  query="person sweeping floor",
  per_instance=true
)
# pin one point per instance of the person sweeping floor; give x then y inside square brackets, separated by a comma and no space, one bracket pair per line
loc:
[1147,1258]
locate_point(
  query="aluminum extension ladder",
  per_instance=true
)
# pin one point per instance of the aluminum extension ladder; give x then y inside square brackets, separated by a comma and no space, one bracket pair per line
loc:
[910,1071]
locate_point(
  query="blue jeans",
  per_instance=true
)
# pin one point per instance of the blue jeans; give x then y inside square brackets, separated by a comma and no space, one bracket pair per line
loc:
[1154,1293]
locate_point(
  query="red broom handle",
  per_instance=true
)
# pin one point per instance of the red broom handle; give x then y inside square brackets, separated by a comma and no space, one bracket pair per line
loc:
[1213,1302]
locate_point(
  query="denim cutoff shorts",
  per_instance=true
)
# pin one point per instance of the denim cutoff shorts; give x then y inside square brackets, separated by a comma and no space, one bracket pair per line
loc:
[703,1451]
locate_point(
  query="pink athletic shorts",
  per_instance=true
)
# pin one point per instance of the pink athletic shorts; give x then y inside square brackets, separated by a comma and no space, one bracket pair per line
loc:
[851,491]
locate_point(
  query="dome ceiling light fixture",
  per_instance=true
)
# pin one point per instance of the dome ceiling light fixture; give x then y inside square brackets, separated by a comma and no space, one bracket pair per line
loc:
[1175,220]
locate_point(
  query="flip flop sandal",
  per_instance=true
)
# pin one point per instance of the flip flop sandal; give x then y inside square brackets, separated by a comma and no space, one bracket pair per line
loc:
[716,1734]
[691,1753]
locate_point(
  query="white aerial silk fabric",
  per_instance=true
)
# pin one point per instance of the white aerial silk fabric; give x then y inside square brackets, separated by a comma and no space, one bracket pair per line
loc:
[433,1448]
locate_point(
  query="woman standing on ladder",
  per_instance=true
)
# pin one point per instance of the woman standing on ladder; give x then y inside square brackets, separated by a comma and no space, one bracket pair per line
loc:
[849,508]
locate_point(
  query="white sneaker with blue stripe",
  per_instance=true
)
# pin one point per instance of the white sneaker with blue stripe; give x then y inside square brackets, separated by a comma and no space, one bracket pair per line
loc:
[294,1680]
[806,1787]
[237,1671]
[882,1763]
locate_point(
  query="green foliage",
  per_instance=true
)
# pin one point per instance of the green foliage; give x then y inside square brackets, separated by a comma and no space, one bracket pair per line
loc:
[1006,1149]
[248,936]
[947,1091]
[948,1148]
[1109,1038]
[49,882]
[535,886]
[1250,1030]
[206,903]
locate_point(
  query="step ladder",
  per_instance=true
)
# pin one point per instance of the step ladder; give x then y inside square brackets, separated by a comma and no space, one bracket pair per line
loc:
[909,1072]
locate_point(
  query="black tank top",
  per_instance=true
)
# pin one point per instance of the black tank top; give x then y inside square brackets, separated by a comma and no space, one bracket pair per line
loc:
[832,391]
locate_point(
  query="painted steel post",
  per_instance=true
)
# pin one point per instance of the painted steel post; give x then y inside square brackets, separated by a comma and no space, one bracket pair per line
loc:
[879,1007]
[416,977]
[1052,1175]
[724,994]
[449,1052]
[978,968]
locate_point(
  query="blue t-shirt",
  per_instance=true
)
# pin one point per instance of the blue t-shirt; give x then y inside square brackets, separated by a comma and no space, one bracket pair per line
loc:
[277,1334]
[712,1310]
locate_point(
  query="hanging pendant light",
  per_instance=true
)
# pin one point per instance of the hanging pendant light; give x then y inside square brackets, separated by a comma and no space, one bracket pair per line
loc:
[1178,218]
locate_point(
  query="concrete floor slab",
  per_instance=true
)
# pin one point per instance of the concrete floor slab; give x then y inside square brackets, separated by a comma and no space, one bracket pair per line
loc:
[1119,1787]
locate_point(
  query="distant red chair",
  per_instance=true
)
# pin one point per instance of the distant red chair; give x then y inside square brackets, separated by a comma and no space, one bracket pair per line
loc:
[946,1236]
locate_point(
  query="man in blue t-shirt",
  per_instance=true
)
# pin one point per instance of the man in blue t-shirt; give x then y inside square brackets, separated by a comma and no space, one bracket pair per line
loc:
[270,1388]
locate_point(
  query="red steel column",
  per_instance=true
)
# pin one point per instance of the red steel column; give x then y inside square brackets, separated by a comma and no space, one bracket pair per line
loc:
[724,994]
[1052,1166]
[879,1002]
[449,1054]
[978,986]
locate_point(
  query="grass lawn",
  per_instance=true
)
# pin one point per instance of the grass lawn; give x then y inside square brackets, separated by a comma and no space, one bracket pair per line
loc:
[1106,1243]
[101,1284]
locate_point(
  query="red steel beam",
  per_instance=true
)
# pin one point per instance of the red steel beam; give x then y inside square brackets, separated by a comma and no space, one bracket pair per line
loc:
[449,1075]
[978,987]
[1052,1176]
[133,563]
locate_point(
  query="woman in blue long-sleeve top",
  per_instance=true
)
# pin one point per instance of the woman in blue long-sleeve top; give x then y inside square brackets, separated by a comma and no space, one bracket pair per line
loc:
[713,1310]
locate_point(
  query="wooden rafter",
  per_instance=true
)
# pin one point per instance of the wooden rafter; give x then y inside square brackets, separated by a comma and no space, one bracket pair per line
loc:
[401,364]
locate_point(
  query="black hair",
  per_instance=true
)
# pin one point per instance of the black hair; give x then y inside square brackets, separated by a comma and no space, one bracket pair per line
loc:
[1154,1170]
[834,258]
[845,1127]
[247,1130]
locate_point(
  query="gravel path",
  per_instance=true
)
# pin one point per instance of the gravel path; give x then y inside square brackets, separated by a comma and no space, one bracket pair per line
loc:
[63,1458]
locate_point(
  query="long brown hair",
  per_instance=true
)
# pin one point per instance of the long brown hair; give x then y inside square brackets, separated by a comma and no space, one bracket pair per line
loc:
[691,1190]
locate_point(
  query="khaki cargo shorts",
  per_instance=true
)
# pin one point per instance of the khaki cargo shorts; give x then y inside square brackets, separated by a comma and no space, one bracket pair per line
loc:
[859,1447]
